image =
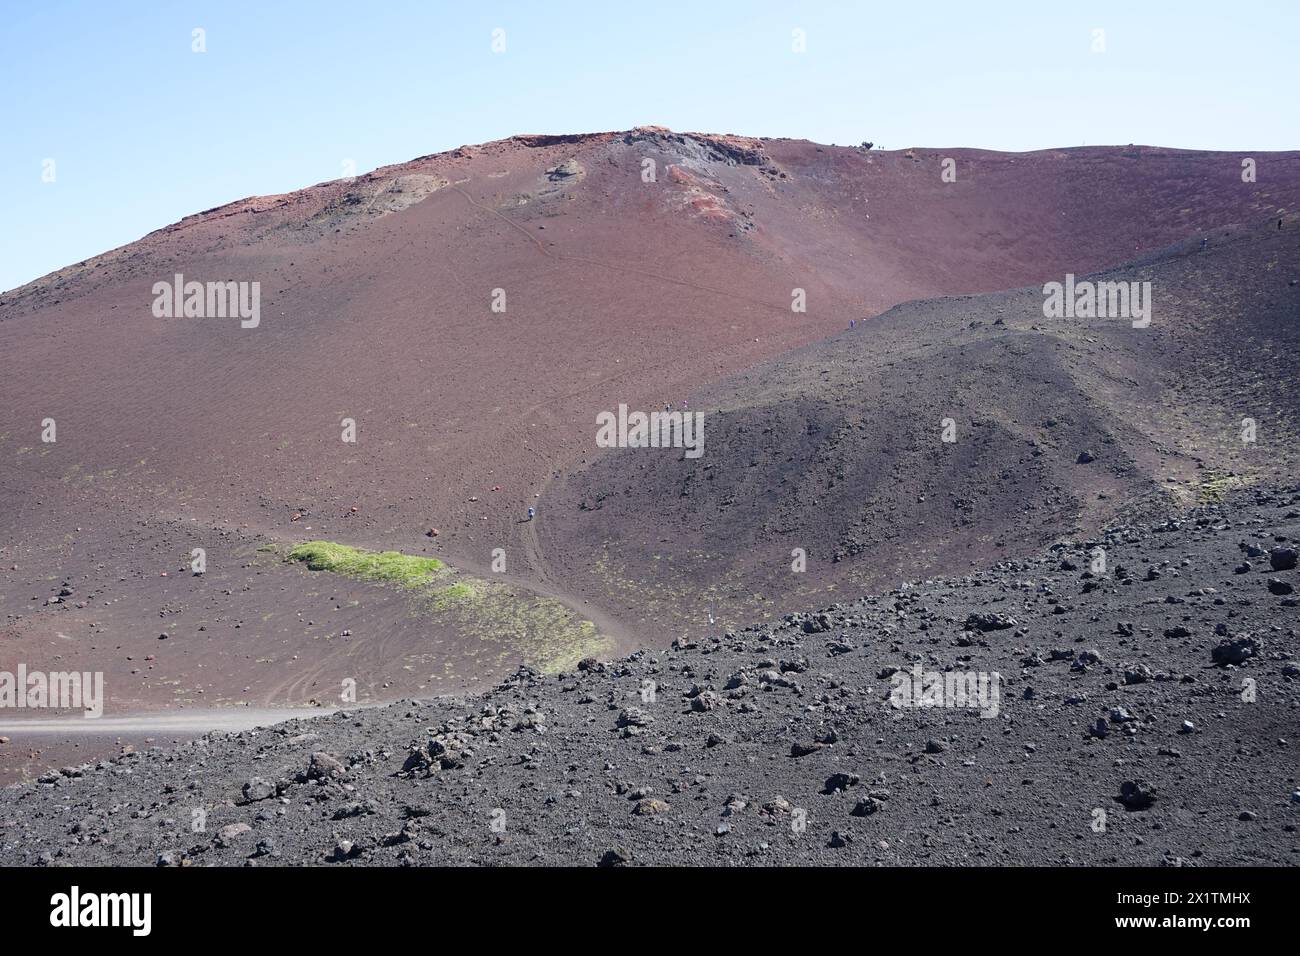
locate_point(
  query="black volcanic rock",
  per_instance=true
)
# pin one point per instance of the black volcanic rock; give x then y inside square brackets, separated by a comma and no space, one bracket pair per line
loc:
[776,771]
[989,622]
[1236,651]
[1136,795]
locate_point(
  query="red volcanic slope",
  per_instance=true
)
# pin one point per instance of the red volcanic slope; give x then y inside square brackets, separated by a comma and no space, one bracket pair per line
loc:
[617,290]
[376,300]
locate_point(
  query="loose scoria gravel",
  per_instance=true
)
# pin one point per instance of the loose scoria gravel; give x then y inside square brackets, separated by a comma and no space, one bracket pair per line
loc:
[1144,718]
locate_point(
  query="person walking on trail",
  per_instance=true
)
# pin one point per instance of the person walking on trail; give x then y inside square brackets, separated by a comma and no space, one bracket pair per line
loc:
[531,512]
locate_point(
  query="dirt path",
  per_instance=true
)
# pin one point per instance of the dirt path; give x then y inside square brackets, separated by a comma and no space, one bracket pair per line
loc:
[538,580]
[223,720]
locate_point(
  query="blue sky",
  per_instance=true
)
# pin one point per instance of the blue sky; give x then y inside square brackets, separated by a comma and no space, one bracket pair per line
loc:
[144,131]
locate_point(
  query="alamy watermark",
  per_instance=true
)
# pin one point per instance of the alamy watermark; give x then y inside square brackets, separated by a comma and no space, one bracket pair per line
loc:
[1098,300]
[75,908]
[666,429]
[208,300]
[978,690]
[53,690]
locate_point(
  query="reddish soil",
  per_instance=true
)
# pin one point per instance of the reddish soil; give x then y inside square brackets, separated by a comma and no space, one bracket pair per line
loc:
[376,305]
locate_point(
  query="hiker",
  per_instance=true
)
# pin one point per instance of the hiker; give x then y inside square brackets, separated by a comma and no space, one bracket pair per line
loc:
[853,323]
[531,512]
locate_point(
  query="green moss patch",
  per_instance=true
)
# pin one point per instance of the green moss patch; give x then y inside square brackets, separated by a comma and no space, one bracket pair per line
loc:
[388,567]
[1215,486]
[519,624]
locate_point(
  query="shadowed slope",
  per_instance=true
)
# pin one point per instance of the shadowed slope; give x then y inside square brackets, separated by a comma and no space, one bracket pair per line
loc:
[838,448]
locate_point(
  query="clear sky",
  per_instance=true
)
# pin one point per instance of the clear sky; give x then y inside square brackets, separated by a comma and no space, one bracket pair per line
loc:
[142,130]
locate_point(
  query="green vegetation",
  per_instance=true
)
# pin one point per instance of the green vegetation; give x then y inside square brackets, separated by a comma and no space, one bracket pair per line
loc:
[1216,485]
[515,623]
[389,567]
[442,598]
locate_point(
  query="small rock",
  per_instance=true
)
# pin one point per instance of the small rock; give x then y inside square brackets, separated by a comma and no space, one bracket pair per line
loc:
[840,781]
[228,834]
[325,765]
[1236,651]
[615,856]
[705,701]
[634,717]
[867,806]
[1135,795]
[258,789]
[345,850]
[989,622]
[1282,559]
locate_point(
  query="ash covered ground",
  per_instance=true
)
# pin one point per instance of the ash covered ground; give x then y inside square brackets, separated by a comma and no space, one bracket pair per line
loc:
[1147,715]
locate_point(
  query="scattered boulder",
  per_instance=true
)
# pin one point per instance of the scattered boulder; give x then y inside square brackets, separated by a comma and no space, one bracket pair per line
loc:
[324,765]
[1135,795]
[816,623]
[230,833]
[989,622]
[634,717]
[838,782]
[1137,674]
[258,789]
[615,856]
[344,850]
[1282,559]
[705,701]
[868,806]
[1236,651]
[416,761]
